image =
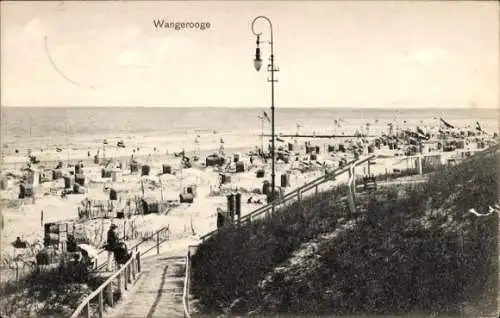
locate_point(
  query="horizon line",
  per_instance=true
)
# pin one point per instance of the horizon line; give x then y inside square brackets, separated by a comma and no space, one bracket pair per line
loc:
[260,107]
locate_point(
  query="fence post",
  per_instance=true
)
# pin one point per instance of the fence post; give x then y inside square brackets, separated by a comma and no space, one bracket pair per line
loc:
[101,304]
[120,284]
[353,182]
[351,190]
[125,278]
[138,262]
[109,294]
[157,242]
[133,269]
[87,310]
[419,164]
[316,190]
[129,274]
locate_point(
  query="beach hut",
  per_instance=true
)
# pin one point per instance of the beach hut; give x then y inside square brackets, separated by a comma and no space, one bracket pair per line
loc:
[190,189]
[186,198]
[79,189]
[285,180]
[25,190]
[240,166]
[134,166]
[5,183]
[236,157]
[149,206]
[55,233]
[116,174]
[214,160]
[80,179]
[105,173]
[57,174]
[166,169]
[313,157]
[113,195]
[283,156]
[265,187]
[290,146]
[460,144]
[68,182]
[260,173]
[224,178]
[145,170]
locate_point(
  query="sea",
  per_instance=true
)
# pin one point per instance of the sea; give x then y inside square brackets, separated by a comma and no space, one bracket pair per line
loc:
[85,128]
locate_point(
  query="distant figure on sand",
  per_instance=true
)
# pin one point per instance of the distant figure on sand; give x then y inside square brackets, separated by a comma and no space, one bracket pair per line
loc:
[112,242]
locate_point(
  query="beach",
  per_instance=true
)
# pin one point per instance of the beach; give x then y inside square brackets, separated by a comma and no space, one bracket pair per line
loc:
[23,217]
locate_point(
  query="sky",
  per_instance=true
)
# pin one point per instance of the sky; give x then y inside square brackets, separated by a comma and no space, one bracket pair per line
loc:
[329,54]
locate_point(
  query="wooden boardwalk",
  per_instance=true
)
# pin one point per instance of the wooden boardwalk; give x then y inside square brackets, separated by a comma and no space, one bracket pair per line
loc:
[158,293]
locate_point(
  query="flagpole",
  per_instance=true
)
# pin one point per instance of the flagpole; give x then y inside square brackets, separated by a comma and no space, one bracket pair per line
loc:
[261,132]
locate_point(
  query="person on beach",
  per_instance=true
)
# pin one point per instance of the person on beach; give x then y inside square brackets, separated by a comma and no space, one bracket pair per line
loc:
[112,242]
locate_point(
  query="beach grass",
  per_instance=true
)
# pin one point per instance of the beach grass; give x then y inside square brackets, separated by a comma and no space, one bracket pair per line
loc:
[412,248]
[47,292]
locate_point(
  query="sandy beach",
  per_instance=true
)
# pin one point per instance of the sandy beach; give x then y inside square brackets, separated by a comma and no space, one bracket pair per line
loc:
[25,217]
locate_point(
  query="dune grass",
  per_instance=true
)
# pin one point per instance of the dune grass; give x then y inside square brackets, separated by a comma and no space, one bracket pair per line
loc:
[46,293]
[414,249]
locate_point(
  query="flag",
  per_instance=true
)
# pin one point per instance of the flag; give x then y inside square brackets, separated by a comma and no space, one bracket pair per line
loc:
[58,149]
[478,127]
[447,125]
[266,116]
[421,134]
[279,139]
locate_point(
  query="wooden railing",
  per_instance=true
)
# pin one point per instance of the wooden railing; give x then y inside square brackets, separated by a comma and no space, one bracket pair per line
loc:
[297,193]
[135,247]
[127,273]
[187,282]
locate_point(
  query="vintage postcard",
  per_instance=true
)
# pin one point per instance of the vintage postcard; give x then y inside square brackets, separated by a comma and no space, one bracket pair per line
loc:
[249,158]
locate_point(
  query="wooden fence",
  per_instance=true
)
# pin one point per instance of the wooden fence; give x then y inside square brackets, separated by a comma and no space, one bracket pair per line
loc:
[160,236]
[127,274]
[298,193]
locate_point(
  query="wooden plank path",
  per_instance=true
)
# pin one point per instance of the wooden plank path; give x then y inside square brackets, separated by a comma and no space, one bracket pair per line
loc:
[158,292]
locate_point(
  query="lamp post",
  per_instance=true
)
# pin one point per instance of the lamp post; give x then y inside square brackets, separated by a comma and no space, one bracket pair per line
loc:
[272,69]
